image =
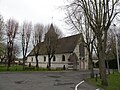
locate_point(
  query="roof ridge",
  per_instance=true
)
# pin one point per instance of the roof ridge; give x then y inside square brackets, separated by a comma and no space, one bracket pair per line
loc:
[70,36]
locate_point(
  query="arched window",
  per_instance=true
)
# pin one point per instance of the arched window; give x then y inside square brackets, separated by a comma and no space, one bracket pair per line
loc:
[31,59]
[44,58]
[54,58]
[63,57]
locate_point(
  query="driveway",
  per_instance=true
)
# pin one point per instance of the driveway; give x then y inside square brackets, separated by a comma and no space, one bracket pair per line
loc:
[66,80]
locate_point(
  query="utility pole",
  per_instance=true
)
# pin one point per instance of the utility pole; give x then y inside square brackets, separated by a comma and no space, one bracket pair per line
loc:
[116,39]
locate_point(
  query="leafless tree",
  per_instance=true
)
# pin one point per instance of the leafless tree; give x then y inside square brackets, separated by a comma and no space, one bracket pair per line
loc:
[16,50]
[11,30]
[2,52]
[111,44]
[37,38]
[99,15]
[2,49]
[110,49]
[50,41]
[25,38]
[78,23]
[2,26]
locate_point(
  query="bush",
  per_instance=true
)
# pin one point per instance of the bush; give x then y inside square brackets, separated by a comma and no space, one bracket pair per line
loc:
[112,64]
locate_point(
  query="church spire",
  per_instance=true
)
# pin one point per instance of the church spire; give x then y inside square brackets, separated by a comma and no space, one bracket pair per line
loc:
[51,34]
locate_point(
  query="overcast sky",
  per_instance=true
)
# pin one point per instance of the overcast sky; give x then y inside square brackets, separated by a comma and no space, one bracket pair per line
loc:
[35,11]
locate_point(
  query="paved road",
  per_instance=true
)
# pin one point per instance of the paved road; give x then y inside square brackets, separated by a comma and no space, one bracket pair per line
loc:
[44,81]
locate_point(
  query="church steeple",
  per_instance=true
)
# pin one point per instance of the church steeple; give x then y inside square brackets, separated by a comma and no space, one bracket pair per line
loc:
[51,34]
[51,29]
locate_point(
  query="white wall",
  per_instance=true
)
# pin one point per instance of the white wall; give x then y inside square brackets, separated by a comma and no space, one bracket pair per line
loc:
[58,63]
[83,64]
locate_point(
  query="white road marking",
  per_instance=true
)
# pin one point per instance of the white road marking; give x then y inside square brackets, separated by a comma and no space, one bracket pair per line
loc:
[78,84]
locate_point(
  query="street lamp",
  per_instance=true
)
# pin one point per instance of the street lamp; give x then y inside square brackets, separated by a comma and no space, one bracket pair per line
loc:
[116,39]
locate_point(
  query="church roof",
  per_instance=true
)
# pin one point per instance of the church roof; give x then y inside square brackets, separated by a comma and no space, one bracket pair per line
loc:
[64,45]
[51,29]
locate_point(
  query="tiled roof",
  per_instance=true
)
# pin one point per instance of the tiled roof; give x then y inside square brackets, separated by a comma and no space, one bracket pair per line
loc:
[64,45]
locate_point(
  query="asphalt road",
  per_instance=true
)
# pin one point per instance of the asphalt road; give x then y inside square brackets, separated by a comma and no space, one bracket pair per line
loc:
[44,80]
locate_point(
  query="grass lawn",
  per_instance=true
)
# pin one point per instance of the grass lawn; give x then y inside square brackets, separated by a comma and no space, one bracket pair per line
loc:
[19,68]
[113,80]
[3,68]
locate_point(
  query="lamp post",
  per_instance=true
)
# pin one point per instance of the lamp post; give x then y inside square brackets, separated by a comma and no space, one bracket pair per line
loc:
[116,39]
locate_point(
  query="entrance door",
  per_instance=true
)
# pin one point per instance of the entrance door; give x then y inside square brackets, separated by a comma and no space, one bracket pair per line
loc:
[73,61]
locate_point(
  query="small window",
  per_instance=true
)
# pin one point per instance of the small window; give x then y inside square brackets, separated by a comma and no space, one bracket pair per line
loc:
[44,58]
[32,59]
[54,58]
[63,57]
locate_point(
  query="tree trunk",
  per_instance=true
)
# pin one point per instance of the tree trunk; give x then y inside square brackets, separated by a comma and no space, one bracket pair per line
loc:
[23,63]
[102,68]
[9,60]
[37,66]
[8,65]
[49,62]
[107,67]
[91,66]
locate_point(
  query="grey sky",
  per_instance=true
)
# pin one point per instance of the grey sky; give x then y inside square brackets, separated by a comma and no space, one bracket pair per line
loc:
[35,11]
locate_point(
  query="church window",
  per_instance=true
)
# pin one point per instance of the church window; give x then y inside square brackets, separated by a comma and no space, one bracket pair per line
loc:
[63,57]
[44,58]
[54,58]
[32,59]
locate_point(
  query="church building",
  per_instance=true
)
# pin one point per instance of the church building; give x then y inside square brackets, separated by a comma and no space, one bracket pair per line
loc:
[70,53]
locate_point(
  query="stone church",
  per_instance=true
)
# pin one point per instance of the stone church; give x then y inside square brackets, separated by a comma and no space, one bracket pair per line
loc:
[69,53]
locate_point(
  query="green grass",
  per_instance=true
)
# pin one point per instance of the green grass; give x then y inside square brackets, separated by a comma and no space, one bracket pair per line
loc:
[113,81]
[19,68]
[3,68]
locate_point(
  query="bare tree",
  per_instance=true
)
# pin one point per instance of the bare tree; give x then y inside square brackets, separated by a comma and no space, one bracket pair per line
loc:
[2,26]
[37,38]
[2,49]
[50,41]
[25,36]
[77,22]
[11,29]
[16,50]
[111,44]
[2,52]
[110,49]
[99,15]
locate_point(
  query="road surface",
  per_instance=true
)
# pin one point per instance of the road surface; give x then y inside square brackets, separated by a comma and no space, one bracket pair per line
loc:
[66,80]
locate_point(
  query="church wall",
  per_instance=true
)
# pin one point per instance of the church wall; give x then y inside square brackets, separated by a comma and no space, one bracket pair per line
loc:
[83,64]
[58,63]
